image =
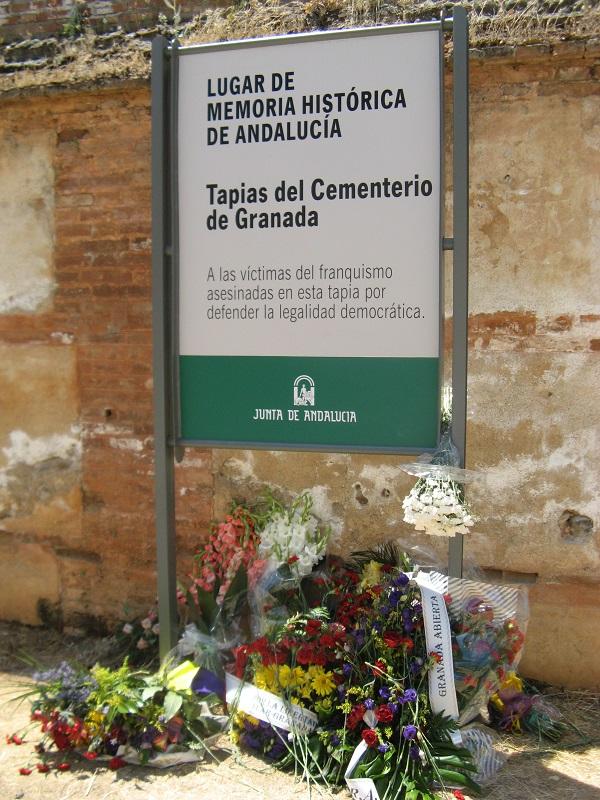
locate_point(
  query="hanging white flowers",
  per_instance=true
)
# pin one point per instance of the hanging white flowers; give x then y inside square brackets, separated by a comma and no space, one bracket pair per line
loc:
[436,505]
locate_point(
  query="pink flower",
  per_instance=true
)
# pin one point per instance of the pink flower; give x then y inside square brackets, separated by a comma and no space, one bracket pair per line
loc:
[142,644]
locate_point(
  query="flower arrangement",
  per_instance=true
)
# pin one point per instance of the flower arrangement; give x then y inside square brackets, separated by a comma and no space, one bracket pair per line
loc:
[436,505]
[484,647]
[516,707]
[124,715]
[359,665]
[292,536]
[232,544]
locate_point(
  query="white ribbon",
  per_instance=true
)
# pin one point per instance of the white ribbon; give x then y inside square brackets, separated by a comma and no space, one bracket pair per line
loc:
[268,707]
[361,788]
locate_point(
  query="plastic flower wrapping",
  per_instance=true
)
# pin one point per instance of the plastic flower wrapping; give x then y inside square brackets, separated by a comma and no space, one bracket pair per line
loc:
[436,504]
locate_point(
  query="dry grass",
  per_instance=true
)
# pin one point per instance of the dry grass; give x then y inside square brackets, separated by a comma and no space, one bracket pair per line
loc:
[96,59]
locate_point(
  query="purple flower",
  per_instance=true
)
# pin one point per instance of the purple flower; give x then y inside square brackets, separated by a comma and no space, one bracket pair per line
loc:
[409,732]
[377,627]
[384,692]
[383,748]
[369,703]
[414,753]
[347,669]
[206,682]
[416,665]
[393,707]
[250,741]
[276,751]
[335,740]
[409,696]
[401,580]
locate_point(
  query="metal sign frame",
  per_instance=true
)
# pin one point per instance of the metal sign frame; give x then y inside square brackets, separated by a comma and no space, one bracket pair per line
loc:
[168,441]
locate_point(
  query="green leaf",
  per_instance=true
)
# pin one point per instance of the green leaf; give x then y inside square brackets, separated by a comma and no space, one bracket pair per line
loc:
[149,692]
[173,703]
[238,587]
[208,606]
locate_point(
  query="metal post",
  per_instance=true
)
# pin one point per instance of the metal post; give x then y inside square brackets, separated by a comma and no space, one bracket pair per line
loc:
[460,286]
[163,435]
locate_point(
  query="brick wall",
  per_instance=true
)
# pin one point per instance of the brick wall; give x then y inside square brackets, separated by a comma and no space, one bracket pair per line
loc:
[24,18]
[75,361]
[100,311]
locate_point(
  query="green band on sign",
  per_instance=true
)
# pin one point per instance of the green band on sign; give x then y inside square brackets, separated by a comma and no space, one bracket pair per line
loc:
[353,402]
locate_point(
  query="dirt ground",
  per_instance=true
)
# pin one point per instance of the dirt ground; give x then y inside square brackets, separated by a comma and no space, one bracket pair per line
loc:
[534,770]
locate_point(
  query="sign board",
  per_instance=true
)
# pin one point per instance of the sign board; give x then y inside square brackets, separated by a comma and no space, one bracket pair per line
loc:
[309,242]
[297,201]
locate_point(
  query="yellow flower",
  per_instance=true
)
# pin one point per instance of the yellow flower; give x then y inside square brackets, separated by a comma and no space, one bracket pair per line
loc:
[314,671]
[496,702]
[512,681]
[284,676]
[298,677]
[323,683]
[371,575]
[265,678]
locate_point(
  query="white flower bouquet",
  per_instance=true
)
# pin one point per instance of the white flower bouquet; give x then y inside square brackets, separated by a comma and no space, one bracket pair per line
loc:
[436,505]
[292,536]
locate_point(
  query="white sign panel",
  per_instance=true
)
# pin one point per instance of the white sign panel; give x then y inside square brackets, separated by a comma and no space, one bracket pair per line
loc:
[309,222]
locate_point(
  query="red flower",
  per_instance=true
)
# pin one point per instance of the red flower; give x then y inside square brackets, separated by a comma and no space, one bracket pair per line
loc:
[436,656]
[458,794]
[305,654]
[90,755]
[43,767]
[61,740]
[241,658]
[393,638]
[312,627]
[327,640]
[116,763]
[378,667]
[292,559]
[384,714]
[355,716]
[64,766]
[370,737]
[24,771]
